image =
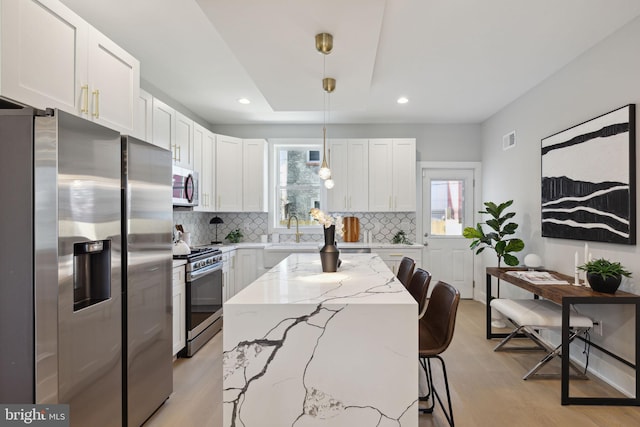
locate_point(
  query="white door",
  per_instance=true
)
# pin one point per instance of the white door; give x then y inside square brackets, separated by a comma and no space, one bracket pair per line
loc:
[447,206]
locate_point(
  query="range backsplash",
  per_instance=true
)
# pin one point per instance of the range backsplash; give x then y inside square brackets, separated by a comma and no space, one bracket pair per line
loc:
[383,226]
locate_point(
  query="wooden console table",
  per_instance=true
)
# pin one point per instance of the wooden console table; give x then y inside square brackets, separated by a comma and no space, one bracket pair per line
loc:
[566,295]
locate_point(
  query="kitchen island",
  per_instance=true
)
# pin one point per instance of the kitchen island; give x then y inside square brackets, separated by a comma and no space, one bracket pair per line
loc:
[304,348]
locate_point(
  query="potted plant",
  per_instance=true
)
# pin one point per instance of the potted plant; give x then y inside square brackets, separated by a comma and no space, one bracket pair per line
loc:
[604,275]
[497,239]
[234,236]
[400,238]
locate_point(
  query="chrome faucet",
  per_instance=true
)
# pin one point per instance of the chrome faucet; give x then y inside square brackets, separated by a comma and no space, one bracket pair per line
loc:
[298,234]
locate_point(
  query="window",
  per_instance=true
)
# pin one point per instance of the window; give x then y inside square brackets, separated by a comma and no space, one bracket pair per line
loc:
[447,207]
[298,186]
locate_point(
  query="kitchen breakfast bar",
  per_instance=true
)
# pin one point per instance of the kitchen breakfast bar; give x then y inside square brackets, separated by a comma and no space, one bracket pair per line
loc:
[307,348]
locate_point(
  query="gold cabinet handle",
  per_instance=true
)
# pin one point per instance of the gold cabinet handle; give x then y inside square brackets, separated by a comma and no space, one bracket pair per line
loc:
[84,93]
[178,150]
[390,202]
[96,99]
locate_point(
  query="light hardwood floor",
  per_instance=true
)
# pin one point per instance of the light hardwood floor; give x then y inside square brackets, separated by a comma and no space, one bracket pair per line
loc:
[487,389]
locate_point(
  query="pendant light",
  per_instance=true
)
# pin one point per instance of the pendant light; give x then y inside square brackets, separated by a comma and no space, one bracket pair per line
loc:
[324,44]
[328,84]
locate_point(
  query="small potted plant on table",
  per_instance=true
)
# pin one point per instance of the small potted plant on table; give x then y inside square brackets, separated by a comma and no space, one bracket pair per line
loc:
[604,275]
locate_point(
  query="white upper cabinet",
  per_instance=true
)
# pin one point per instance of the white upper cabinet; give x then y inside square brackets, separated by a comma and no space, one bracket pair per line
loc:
[53,58]
[183,147]
[404,175]
[143,123]
[204,148]
[163,124]
[349,163]
[392,175]
[113,83]
[228,174]
[254,170]
[47,67]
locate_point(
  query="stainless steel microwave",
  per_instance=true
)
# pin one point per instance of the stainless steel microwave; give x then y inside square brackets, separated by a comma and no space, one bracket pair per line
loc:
[185,187]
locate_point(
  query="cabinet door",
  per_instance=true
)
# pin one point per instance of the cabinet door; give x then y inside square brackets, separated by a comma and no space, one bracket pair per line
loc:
[164,131]
[380,175]
[339,165]
[114,83]
[143,123]
[404,175]
[228,174]
[254,159]
[358,167]
[392,257]
[249,266]
[44,55]
[183,149]
[179,318]
[203,154]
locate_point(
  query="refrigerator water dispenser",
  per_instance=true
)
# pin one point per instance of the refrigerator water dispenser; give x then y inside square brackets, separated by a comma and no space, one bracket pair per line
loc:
[91,273]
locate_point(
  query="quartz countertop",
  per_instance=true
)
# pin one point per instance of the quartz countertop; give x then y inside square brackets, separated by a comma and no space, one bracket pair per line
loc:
[360,279]
[259,245]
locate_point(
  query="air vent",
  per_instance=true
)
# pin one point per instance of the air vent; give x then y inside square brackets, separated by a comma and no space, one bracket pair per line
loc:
[509,140]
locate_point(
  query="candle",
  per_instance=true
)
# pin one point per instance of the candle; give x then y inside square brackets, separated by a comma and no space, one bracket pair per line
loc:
[586,253]
[576,278]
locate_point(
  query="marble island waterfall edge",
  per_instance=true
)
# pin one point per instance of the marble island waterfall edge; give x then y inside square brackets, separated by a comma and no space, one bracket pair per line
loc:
[303,348]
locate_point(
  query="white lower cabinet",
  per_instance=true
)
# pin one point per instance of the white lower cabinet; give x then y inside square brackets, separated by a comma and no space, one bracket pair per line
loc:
[249,267]
[392,257]
[179,309]
[228,274]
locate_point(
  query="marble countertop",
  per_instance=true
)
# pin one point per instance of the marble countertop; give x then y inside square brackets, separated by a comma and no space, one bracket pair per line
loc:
[361,279]
[258,245]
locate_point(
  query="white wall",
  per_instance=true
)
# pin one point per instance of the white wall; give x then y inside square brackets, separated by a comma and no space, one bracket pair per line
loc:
[603,79]
[460,142]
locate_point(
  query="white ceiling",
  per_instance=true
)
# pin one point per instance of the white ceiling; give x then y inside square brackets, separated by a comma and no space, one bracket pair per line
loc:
[458,61]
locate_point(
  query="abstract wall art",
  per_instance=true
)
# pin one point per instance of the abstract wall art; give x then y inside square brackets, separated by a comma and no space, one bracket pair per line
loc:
[588,180]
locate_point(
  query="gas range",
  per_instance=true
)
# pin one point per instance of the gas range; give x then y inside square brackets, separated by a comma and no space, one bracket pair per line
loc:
[204,285]
[201,258]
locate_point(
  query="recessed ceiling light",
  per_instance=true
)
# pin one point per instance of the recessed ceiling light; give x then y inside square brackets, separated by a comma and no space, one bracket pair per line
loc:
[402,100]
[244,101]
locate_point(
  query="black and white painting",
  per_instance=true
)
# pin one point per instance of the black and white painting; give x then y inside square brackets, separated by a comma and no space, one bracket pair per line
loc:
[588,180]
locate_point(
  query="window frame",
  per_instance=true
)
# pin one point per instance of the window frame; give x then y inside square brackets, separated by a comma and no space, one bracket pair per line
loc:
[274,146]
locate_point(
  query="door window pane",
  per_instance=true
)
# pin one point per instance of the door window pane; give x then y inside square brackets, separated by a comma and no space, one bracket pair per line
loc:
[447,207]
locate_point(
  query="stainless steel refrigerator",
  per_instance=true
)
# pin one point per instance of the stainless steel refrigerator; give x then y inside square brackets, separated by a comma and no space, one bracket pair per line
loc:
[147,227]
[64,324]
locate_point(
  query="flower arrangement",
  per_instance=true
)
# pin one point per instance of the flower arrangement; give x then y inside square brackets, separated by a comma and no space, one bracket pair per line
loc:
[326,220]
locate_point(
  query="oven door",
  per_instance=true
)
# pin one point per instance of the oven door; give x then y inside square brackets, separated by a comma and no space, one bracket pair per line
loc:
[204,299]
